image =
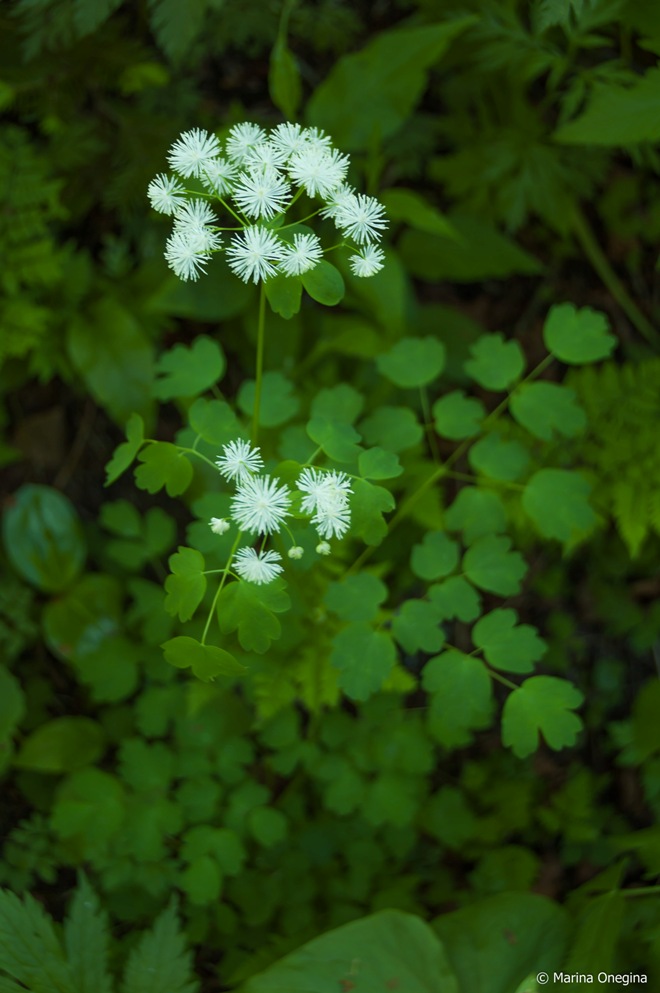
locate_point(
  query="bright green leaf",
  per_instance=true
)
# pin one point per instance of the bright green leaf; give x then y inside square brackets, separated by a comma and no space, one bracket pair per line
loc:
[278,401]
[214,421]
[506,644]
[491,566]
[338,440]
[206,661]
[436,556]
[458,416]
[163,466]
[476,512]
[357,597]
[324,283]
[461,697]
[284,294]
[495,364]
[186,371]
[578,336]
[455,597]
[376,463]
[341,403]
[368,504]
[499,458]
[542,705]
[413,362]
[250,609]
[364,658]
[557,500]
[126,452]
[187,584]
[392,428]
[547,409]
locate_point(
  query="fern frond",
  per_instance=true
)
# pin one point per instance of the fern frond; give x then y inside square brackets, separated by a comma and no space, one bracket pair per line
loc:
[29,949]
[161,963]
[86,940]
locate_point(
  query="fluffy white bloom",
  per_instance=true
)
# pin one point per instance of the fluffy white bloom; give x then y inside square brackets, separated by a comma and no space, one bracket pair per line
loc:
[242,138]
[302,255]
[239,460]
[318,169]
[333,520]
[192,151]
[191,221]
[317,138]
[219,525]
[186,254]
[218,175]
[165,194]
[265,155]
[257,567]
[253,252]
[323,490]
[260,504]
[339,198]
[262,193]
[361,218]
[368,262]
[296,552]
[323,548]
[288,138]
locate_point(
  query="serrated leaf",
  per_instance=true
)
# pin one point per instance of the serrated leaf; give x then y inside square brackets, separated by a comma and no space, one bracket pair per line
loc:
[491,566]
[86,935]
[506,644]
[547,409]
[187,584]
[476,512]
[29,948]
[163,466]
[413,362]
[324,283]
[498,457]
[376,463]
[357,597]
[462,697]
[160,963]
[458,416]
[617,116]
[186,371]
[578,336]
[364,658]
[495,364]
[455,597]
[250,610]
[542,705]
[557,500]
[126,452]
[206,661]
[368,504]
[436,556]
[278,401]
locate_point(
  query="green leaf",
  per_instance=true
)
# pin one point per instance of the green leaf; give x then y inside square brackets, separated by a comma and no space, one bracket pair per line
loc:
[278,401]
[458,416]
[547,409]
[89,809]
[43,537]
[159,963]
[542,705]
[616,116]
[455,597]
[324,283]
[86,935]
[336,439]
[364,658]
[250,610]
[498,457]
[368,504]
[413,362]
[284,294]
[416,211]
[267,826]
[109,669]
[416,626]
[78,622]
[12,703]
[206,661]
[578,336]
[163,466]
[201,881]
[217,298]
[389,75]
[340,403]
[436,556]
[506,644]
[476,512]
[495,364]
[491,566]
[126,452]
[284,82]
[596,934]
[557,500]
[392,428]
[29,948]
[356,598]
[214,421]
[462,697]
[187,586]
[376,463]
[187,371]
[62,745]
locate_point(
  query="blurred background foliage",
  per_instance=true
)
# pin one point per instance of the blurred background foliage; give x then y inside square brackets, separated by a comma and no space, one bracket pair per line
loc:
[515,145]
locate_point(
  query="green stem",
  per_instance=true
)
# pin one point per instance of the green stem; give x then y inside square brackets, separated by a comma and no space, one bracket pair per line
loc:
[260,363]
[601,264]
[428,424]
[640,891]
[225,573]
[193,451]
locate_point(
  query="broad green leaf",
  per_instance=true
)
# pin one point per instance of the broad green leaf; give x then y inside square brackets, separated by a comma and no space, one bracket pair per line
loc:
[186,371]
[86,934]
[284,83]
[160,962]
[216,298]
[557,500]
[436,556]
[163,466]
[110,669]
[342,403]
[206,661]
[357,597]
[617,116]
[187,584]
[89,808]
[12,703]
[284,294]
[250,610]
[324,283]
[542,705]
[506,644]
[448,817]
[461,697]
[495,364]
[376,463]
[43,537]
[475,513]
[416,626]
[498,457]
[121,517]
[62,745]
[214,421]
[547,409]
[455,597]
[458,416]
[126,452]
[491,566]
[278,401]
[338,440]
[596,934]
[364,658]
[388,75]
[201,881]
[415,210]
[413,362]
[392,428]
[267,826]
[78,622]
[368,504]
[578,336]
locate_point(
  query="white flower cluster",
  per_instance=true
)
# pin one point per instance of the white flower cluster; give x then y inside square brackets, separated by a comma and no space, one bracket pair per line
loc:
[261,505]
[255,178]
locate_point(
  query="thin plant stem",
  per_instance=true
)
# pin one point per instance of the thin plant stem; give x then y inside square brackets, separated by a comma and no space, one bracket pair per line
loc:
[428,424]
[260,362]
[223,579]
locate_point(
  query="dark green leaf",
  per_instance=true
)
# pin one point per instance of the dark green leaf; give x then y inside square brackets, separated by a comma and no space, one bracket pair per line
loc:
[547,409]
[491,566]
[557,500]
[163,466]
[62,745]
[186,371]
[126,452]
[542,705]
[364,658]
[495,364]
[506,644]
[413,362]
[324,283]
[206,661]
[187,584]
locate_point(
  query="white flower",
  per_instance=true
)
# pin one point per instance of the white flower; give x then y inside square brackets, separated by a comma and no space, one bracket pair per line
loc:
[260,505]
[343,195]
[242,138]
[296,552]
[318,169]
[302,255]
[165,194]
[257,567]
[324,490]
[323,548]
[191,220]
[262,193]
[239,461]
[333,520]
[361,218]
[192,151]
[265,155]
[219,525]
[252,253]
[317,138]
[217,175]
[368,262]
[186,255]
[288,138]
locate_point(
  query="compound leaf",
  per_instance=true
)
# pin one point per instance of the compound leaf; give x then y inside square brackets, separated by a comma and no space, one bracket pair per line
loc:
[542,705]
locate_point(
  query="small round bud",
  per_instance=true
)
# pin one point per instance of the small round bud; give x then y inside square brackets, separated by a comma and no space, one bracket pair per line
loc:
[219,525]
[296,552]
[323,548]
